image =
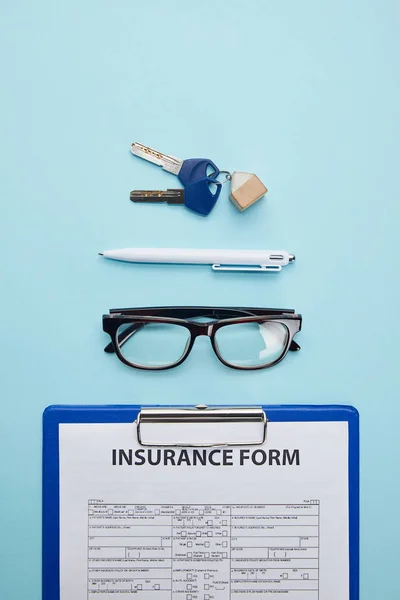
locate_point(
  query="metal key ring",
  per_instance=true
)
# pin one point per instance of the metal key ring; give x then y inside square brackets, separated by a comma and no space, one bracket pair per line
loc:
[227,178]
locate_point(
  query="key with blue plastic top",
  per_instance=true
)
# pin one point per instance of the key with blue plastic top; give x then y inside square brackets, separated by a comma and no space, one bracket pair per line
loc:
[200,196]
[188,171]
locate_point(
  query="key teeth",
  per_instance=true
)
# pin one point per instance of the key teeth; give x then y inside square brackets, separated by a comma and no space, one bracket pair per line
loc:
[169,196]
[169,163]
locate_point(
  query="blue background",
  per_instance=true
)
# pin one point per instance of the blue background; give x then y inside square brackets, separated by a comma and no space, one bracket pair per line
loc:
[306,95]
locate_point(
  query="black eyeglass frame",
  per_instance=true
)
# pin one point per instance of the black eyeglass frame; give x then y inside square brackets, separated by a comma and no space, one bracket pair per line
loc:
[180,315]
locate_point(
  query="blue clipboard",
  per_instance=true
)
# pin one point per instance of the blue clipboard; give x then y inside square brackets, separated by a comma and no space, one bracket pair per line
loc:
[55,415]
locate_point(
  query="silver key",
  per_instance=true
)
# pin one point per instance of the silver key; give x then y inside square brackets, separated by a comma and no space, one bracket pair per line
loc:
[188,171]
[166,161]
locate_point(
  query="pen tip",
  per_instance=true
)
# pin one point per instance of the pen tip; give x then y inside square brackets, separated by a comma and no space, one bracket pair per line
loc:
[100,253]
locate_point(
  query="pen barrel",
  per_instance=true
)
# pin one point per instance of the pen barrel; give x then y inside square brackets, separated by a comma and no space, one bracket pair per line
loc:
[200,256]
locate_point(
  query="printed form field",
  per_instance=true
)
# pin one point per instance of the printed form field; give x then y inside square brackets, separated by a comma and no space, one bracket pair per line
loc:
[203,552]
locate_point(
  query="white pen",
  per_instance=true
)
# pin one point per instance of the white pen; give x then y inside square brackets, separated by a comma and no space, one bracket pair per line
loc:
[220,260]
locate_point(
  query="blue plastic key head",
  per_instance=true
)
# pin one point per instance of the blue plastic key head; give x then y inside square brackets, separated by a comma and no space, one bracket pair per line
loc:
[194,169]
[200,198]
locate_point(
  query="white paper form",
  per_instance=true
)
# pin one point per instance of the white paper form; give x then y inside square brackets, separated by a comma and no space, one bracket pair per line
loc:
[204,524]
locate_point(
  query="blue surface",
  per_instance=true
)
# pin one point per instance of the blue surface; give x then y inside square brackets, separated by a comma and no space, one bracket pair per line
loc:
[306,95]
[55,415]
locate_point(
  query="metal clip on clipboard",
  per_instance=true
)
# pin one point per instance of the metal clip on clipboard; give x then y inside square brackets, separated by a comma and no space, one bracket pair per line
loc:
[200,426]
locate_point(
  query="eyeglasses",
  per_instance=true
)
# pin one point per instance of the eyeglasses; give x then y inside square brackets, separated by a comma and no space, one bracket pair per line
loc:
[162,338]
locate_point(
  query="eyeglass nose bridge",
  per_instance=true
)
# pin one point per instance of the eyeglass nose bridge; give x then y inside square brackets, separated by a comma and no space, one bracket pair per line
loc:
[199,329]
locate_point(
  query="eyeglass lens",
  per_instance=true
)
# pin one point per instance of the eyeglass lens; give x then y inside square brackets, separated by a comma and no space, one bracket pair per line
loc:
[154,345]
[252,344]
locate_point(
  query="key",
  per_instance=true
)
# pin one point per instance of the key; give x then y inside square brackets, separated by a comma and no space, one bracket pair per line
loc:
[188,171]
[197,197]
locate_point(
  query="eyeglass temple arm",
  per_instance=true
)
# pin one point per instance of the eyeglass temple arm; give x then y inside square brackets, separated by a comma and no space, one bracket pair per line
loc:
[188,312]
[294,346]
[124,336]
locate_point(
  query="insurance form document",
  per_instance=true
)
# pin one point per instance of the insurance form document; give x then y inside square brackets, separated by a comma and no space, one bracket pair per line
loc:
[221,523]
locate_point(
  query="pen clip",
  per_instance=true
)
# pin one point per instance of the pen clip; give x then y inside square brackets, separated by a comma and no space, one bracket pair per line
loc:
[256,268]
